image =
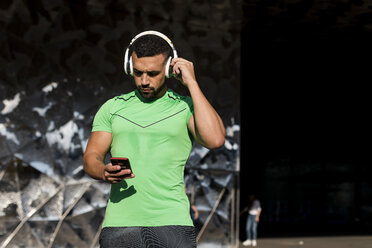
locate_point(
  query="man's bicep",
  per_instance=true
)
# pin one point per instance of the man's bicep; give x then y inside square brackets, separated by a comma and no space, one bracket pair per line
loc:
[99,142]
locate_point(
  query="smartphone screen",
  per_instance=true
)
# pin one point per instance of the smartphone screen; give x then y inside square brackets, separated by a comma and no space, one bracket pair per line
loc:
[123,162]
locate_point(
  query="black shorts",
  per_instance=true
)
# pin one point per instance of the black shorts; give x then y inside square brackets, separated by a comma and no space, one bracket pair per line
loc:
[143,237]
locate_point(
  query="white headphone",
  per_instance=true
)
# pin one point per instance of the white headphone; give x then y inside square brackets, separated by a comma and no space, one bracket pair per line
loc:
[128,64]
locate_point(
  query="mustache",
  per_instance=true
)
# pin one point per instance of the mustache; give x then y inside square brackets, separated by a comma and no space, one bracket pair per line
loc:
[145,87]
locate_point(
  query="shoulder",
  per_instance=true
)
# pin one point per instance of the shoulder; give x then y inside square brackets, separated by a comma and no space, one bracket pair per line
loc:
[120,99]
[116,103]
[172,96]
[124,97]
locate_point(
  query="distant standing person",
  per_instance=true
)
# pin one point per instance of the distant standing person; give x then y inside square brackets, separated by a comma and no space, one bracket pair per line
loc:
[254,211]
[194,213]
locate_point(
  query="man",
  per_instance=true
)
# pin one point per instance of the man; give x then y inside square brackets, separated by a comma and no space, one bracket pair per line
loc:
[154,128]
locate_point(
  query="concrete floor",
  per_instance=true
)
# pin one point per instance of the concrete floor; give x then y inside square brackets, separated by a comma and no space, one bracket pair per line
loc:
[315,242]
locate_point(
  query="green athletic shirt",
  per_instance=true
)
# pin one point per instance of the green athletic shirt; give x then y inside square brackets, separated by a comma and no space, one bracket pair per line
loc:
[155,138]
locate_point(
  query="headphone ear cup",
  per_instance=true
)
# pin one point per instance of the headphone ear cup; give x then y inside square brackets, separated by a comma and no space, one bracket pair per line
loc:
[168,68]
[126,62]
[130,66]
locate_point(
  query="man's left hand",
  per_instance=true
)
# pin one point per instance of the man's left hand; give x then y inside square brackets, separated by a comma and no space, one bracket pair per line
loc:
[183,70]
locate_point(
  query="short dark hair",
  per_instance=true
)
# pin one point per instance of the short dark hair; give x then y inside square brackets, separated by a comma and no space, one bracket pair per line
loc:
[151,45]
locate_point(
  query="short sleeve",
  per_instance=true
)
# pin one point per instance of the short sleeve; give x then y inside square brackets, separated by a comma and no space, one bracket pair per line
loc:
[258,205]
[102,119]
[190,107]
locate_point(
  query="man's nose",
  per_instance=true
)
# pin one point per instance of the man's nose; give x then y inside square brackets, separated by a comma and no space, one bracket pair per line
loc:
[145,79]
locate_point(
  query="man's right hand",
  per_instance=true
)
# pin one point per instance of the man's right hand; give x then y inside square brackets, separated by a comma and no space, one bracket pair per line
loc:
[97,148]
[114,174]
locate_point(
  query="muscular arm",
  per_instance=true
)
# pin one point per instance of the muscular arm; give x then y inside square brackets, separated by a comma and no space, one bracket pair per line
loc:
[98,145]
[205,125]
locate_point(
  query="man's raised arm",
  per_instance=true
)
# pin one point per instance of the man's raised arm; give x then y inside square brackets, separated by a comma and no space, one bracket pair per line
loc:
[205,125]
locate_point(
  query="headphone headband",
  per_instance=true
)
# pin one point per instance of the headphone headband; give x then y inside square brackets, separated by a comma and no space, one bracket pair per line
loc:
[128,66]
[149,32]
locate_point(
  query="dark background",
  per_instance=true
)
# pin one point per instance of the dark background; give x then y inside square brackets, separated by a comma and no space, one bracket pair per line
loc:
[306,116]
[294,75]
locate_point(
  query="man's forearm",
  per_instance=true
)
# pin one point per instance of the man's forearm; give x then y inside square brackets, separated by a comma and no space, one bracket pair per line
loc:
[94,166]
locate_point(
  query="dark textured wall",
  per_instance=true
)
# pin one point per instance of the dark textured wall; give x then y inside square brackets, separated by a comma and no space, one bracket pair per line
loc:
[59,61]
[82,43]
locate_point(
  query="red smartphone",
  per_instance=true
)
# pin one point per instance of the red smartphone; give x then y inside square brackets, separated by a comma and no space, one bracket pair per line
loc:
[123,162]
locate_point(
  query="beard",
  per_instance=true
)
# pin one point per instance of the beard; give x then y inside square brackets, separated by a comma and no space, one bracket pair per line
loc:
[151,93]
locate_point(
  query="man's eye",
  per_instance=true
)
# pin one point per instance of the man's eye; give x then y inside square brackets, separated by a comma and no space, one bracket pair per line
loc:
[137,73]
[153,73]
